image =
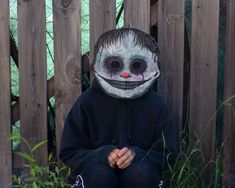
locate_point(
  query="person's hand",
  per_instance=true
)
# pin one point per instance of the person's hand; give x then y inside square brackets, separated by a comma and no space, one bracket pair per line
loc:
[125,157]
[113,157]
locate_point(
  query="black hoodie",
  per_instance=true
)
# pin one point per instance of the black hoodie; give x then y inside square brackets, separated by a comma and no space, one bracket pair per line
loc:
[98,123]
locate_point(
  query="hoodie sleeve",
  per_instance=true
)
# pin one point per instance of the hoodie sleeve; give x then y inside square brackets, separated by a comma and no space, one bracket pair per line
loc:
[75,150]
[164,149]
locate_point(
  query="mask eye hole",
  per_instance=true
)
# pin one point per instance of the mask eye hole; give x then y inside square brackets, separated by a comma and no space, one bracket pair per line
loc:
[138,66]
[113,64]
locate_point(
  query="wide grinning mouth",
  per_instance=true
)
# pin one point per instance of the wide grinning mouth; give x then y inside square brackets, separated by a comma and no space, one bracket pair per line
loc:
[124,84]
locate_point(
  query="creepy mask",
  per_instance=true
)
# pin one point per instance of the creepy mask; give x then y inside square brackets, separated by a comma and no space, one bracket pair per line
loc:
[126,62]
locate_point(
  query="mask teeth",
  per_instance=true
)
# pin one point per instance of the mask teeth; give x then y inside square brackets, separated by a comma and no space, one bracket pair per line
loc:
[125,85]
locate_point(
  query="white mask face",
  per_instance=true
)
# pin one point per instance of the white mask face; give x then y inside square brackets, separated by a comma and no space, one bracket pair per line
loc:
[125,69]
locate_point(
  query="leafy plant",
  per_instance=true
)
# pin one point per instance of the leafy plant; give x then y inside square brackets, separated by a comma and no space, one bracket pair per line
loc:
[53,175]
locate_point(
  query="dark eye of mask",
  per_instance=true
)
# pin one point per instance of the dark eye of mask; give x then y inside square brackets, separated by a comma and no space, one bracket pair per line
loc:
[113,64]
[138,66]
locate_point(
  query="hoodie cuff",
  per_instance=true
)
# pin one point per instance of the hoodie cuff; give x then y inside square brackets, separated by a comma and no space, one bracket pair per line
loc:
[139,153]
[104,152]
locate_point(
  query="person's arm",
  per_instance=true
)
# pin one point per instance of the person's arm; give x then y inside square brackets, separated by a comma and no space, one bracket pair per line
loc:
[165,147]
[75,149]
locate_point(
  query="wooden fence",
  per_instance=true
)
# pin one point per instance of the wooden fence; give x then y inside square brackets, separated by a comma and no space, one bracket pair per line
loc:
[202,80]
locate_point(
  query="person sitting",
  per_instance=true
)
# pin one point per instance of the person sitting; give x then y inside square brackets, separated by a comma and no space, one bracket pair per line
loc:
[119,132]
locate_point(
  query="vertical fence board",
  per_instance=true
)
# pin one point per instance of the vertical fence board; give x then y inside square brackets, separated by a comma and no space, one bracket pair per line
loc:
[203,80]
[171,44]
[137,14]
[229,90]
[33,75]
[5,113]
[102,18]
[67,59]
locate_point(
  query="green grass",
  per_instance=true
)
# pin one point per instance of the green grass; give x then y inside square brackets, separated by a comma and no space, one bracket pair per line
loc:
[190,169]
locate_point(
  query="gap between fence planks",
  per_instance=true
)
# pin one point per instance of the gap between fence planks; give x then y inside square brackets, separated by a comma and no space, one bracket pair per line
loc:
[229,91]
[203,79]
[5,113]
[33,75]
[171,44]
[67,59]
[137,14]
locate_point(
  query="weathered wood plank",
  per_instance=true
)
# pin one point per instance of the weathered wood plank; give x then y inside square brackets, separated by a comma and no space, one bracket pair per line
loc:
[137,14]
[203,79]
[67,59]
[33,74]
[171,44]
[5,102]
[229,91]
[15,109]
[102,18]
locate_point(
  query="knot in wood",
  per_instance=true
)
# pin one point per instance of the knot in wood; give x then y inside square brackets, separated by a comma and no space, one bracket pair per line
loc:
[66,3]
